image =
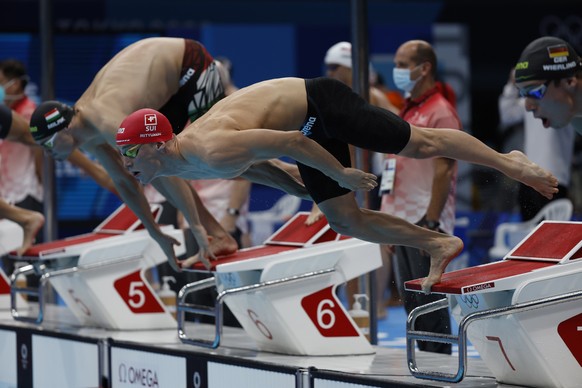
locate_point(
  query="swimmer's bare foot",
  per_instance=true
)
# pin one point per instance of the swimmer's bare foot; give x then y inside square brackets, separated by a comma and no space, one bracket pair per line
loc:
[189,262]
[533,175]
[449,248]
[223,245]
[30,224]
[218,246]
[314,216]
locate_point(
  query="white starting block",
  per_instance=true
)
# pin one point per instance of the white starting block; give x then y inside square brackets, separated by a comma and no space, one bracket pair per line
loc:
[524,312]
[11,236]
[283,292]
[101,275]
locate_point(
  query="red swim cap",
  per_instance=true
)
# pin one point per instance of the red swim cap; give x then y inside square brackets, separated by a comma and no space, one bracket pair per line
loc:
[144,126]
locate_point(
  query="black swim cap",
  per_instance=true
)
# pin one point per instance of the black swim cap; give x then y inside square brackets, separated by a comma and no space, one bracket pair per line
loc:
[547,58]
[49,118]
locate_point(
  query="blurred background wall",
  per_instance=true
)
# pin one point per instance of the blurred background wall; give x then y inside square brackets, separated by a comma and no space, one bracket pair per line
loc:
[477,43]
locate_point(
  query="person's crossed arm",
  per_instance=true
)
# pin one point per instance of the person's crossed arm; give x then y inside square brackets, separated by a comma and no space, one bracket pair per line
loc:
[270,173]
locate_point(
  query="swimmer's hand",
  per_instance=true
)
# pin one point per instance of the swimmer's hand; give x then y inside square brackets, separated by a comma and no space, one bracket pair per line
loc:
[205,254]
[354,179]
[167,244]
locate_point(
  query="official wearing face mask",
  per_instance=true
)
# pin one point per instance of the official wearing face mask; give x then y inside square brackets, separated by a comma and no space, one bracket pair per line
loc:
[422,191]
[403,78]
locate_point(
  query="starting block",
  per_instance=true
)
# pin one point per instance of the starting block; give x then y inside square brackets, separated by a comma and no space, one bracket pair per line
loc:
[523,314]
[283,292]
[101,275]
[11,236]
[5,293]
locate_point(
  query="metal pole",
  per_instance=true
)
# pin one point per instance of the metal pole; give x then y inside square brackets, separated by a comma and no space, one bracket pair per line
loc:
[303,378]
[361,85]
[48,93]
[360,57]
[360,74]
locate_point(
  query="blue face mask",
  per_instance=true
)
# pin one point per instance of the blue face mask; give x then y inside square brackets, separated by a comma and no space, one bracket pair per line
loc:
[4,96]
[402,79]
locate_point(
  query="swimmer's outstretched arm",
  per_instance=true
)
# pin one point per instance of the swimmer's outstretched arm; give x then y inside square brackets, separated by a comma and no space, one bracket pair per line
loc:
[289,167]
[455,144]
[132,194]
[179,194]
[93,169]
[18,130]
[229,147]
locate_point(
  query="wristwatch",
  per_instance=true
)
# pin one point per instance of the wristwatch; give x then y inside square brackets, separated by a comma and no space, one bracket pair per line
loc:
[233,212]
[433,225]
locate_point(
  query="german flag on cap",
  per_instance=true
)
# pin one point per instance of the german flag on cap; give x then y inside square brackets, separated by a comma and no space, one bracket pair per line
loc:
[558,51]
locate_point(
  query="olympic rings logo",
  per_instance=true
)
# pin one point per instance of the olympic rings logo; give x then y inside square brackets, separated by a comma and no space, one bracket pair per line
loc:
[569,29]
[471,300]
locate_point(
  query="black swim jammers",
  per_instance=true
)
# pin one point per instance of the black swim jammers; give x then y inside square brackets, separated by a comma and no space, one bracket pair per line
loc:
[337,117]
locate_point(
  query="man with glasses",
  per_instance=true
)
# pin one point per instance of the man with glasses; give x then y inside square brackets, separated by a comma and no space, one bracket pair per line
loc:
[314,121]
[550,148]
[549,77]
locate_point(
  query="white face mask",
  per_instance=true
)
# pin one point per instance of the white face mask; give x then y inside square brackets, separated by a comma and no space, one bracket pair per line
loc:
[402,79]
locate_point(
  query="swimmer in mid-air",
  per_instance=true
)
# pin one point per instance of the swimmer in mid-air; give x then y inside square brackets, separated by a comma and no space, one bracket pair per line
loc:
[313,121]
[175,75]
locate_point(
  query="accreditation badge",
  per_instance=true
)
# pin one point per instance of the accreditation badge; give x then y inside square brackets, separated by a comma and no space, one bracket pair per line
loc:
[388,174]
